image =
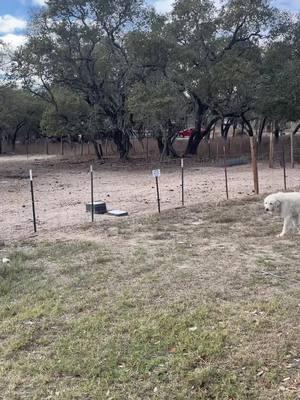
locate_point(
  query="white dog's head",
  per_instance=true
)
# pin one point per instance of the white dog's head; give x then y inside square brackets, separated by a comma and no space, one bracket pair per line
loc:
[272,204]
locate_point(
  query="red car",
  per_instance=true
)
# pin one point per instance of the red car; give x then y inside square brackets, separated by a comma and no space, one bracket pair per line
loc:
[186,133]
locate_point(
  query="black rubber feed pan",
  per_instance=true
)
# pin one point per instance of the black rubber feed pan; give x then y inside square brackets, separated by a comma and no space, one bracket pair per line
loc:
[99,207]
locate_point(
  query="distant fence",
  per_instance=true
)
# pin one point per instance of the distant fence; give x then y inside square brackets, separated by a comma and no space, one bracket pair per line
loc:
[239,148]
[210,151]
[281,153]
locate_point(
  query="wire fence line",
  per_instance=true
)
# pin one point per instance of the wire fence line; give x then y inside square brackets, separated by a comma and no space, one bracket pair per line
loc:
[235,152]
[225,190]
[147,148]
[282,152]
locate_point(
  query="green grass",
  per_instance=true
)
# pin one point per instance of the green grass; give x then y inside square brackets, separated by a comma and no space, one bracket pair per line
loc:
[163,309]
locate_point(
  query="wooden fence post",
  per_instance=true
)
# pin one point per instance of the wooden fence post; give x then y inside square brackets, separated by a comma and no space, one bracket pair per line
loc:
[225,170]
[147,147]
[253,147]
[46,146]
[283,162]
[271,152]
[292,151]
[61,146]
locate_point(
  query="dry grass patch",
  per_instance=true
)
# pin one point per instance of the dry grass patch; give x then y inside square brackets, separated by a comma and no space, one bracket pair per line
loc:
[199,303]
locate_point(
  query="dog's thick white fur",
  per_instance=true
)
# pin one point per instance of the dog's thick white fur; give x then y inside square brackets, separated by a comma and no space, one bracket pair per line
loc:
[287,205]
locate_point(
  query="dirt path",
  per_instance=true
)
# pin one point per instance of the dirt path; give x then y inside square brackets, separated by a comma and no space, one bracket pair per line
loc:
[62,188]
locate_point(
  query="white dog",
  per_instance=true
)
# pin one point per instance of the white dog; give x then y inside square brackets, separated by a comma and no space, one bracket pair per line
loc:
[287,205]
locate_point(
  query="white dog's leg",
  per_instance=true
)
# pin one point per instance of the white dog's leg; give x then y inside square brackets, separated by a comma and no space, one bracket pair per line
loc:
[286,225]
[297,223]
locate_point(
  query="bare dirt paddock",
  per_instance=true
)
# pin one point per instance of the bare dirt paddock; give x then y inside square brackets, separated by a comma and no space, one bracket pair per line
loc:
[62,187]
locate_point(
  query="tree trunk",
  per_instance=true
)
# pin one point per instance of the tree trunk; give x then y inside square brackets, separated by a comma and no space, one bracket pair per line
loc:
[14,137]
[197,135]
[225,128]
[261,129]
[276,131]
[46,146]
[243,128]
[171,149]
[97,151]
[13,140]
[168,142]
[166,148]
[214,131]
[296,129]
[160,144]
[122,141]
[27,144]
[248,125]
[194,141]
[234,128]
[1,149]
[100,149]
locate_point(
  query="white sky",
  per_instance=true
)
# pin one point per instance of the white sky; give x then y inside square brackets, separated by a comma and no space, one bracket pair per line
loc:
[11,26]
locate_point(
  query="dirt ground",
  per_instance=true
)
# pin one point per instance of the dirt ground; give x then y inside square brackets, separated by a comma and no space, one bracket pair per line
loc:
[62,187]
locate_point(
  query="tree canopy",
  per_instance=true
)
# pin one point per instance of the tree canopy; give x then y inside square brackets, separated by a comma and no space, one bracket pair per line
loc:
[117,68]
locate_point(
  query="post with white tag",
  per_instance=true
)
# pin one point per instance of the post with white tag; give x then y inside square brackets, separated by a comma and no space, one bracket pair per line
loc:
[156,175]
[32,200]
[92,192]
[182,182]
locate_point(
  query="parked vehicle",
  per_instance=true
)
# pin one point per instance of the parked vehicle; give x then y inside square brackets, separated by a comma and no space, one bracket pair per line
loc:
[186,133]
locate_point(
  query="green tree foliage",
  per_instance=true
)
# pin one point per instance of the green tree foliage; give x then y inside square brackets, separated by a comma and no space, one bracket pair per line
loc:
[20,114]
[159,107]
[81,46]
[117,68]
[279,95]
[68,117]
[217,57]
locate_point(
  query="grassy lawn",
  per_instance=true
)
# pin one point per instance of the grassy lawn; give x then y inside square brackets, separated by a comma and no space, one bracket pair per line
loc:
[200,303]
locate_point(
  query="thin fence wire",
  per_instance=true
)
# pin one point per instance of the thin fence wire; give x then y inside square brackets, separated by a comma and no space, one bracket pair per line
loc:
[210,152]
